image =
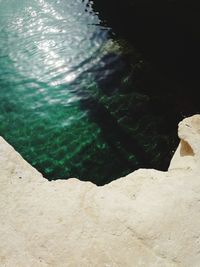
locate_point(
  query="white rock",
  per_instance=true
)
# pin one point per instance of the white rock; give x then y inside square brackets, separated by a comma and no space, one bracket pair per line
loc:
[187,156]
[149,218]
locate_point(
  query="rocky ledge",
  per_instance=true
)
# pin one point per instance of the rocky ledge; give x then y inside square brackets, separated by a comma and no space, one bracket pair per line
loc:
[148,218]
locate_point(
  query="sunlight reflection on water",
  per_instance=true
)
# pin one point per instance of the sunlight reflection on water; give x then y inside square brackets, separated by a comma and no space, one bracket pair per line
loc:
[49,53]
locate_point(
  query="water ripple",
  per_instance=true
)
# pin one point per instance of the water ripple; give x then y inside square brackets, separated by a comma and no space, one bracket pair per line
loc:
[48,51]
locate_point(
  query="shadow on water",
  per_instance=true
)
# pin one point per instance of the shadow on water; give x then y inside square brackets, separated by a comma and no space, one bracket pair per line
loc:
[168,36]
[131,140]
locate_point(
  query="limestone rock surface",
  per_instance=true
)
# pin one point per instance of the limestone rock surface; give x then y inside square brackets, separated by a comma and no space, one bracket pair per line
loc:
[148,218]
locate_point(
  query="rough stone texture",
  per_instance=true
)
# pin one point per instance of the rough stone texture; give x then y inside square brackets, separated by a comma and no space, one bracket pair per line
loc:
[149,218]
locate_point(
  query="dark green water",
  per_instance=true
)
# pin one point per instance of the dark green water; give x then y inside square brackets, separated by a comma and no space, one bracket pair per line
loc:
[74,99]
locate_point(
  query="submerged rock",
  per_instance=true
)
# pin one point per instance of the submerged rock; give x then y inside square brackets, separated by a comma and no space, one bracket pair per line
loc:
[148,218]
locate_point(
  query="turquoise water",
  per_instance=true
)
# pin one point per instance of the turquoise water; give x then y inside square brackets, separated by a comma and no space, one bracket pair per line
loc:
[68,102]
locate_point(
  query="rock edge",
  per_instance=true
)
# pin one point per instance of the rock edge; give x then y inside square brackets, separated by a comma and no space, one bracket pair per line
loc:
[148,218]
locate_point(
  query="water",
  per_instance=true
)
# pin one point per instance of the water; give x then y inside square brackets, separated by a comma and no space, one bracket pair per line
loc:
[73,102]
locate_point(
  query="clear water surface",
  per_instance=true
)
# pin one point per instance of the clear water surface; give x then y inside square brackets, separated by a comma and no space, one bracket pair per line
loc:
[69,100]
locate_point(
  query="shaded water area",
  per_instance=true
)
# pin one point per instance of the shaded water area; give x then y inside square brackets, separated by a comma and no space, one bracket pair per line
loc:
[167,34]
[77,99]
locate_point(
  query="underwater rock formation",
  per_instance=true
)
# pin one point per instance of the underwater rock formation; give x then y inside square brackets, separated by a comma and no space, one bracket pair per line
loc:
[148,218]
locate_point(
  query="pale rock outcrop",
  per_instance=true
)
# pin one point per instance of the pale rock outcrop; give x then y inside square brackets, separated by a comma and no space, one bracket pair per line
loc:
[187,156]
[148,218]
